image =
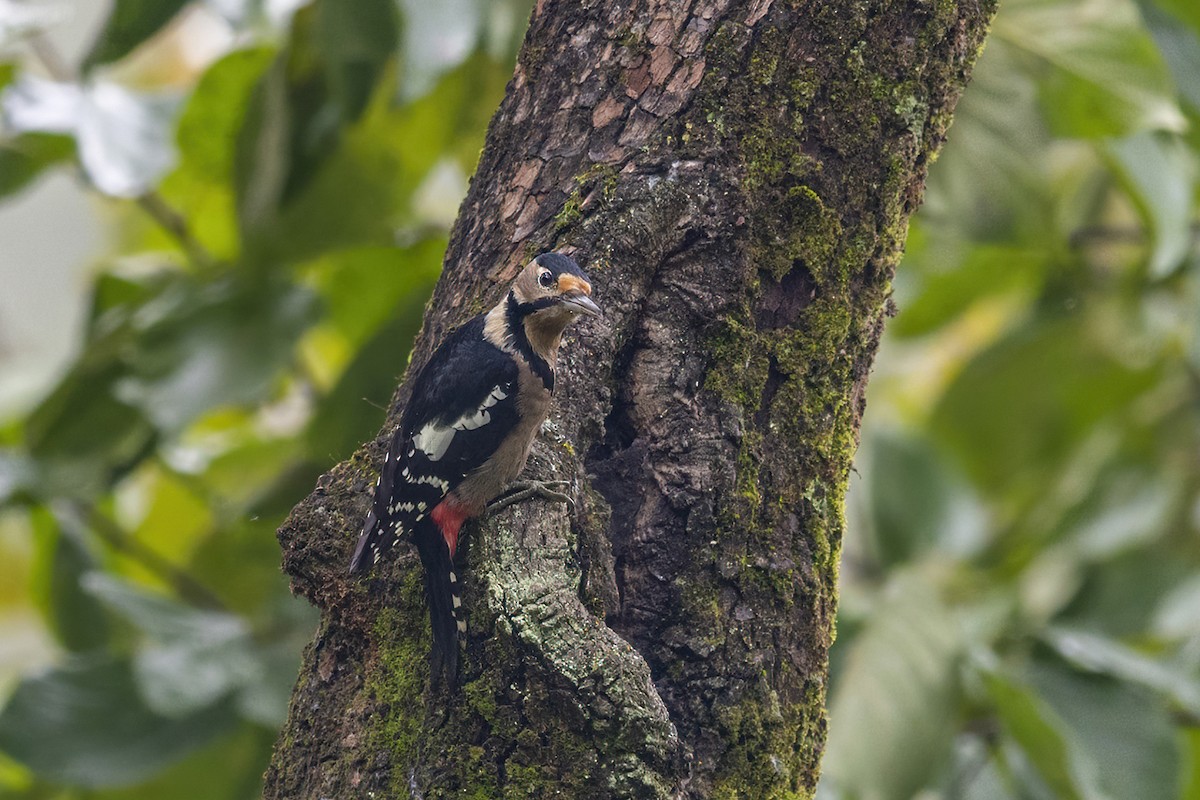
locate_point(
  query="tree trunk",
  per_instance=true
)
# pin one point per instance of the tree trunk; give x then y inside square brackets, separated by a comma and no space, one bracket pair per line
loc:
[736,177]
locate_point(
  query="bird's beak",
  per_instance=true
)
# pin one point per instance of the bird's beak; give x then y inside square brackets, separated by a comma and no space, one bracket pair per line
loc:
[576,294]
[581,302]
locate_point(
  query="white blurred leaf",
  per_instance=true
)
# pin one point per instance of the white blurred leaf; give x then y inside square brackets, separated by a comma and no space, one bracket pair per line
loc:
[436,200]
[1099,654]
[18,20]
[274,15]
[34,104]
[437,38]
[124,138]
[265,698]
[237,13]
[1177,616]
[1131,508]
[17,473]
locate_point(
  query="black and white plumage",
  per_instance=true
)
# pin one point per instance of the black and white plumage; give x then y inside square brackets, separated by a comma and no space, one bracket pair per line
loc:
[475,409]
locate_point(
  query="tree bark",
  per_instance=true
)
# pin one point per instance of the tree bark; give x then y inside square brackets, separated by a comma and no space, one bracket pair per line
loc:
[736,176]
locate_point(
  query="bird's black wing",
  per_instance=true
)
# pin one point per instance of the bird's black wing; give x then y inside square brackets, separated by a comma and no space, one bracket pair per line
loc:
[463,405]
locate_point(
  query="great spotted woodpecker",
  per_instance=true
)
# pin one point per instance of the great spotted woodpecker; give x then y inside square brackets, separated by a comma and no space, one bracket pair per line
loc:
[467,431]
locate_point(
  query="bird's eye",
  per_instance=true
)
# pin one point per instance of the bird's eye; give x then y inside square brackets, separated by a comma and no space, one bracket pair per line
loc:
[545,279]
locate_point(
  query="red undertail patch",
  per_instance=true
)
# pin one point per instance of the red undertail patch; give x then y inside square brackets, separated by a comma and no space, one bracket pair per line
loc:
[449,517]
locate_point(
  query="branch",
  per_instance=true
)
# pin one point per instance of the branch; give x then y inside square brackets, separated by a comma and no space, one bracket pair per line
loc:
[176,226]
[184,584]
[51,59]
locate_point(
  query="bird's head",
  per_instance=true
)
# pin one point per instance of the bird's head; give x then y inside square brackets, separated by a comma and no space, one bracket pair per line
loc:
[552,291]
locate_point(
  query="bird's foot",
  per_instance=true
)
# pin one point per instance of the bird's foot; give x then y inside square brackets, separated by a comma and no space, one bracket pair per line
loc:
[524,490]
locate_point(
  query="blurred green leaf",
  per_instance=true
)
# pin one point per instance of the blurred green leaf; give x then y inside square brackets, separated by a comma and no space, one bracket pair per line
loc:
[1176,617]
[25,157]
[1122,738]
[265,699]
[1185,10]
[176,519]
[83,723]
[215,111]
[202,185]
[8,71]
[365,288]
[896,699]
[1121,595]
[230,768]
[241,562]
[991,174]
[1160,173]
[237,478]
[78,622]
[116,297]
[1179,44]
[357,39]
[208,346]
[1126,509]
[83,437]
[451,120]
[981,272]
[1018,409]
[263,158]
[385,156]
[292,126]
[130,23]
[916,504]
[15,780]
[17,475]
[1191,738]
[193,658]
[354,408]
[1105,76]
[323,218]
[397,283]
[1037,731]
[987,783]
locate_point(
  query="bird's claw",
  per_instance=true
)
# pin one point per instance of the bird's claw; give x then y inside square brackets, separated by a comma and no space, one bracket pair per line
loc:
[526,490]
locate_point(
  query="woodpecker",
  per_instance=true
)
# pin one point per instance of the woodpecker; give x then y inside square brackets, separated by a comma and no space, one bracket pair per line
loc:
[466,433]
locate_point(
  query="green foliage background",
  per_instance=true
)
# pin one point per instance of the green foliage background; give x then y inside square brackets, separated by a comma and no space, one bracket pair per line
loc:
[1021,582]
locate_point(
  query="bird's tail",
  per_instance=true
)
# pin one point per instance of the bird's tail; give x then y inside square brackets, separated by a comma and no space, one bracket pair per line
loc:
[373,543]
[442,591]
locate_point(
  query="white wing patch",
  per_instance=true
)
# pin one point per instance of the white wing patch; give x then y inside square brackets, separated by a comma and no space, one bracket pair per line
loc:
[434,440]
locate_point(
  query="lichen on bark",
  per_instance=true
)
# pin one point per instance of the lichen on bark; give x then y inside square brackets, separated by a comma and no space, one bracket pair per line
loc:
[736,177]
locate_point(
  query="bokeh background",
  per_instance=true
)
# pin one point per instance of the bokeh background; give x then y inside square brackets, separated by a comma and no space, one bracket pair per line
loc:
[220,221]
